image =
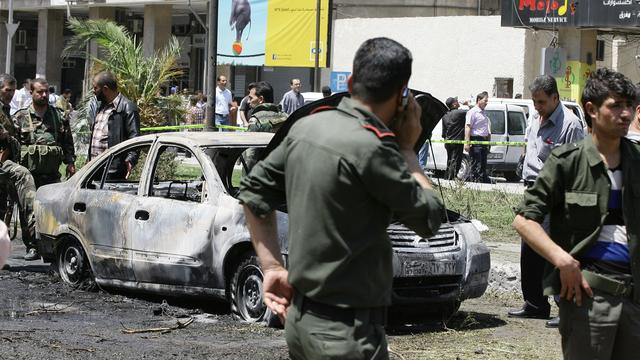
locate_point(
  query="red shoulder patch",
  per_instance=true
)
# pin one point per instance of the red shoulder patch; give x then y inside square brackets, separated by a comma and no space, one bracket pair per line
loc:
[379,134]
[322,108]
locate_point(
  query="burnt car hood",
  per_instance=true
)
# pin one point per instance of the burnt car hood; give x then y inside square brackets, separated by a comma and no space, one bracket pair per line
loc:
[432,111]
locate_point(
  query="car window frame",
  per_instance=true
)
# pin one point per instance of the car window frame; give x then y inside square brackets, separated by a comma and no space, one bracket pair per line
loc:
[504,120]
[523,123]
[151,167]
[109,159]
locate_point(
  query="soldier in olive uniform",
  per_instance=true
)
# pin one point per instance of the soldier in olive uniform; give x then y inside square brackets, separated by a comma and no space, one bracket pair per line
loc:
[15,180]
[45,137]
[342,173]
[265,117]
[7,90]
[590,191]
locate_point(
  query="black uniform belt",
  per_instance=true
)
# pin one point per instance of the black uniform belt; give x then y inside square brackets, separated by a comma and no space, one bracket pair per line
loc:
[607,284]
[376,315]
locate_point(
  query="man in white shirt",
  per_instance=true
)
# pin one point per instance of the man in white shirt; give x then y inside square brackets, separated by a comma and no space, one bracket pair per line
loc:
[223,102]
[21,98]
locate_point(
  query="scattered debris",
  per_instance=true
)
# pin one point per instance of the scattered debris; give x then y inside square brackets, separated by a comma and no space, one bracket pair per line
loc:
[48,309]
[163,330]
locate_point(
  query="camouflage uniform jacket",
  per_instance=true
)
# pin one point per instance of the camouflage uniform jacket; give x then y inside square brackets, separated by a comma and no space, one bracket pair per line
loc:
[267,118]
[51,130]
[9,136]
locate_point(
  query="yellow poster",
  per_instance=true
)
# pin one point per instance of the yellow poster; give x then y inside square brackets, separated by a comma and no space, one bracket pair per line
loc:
[575,76]
[291,33]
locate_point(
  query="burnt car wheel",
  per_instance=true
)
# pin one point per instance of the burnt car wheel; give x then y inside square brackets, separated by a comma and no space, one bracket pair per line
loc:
[73,266]
[247,302]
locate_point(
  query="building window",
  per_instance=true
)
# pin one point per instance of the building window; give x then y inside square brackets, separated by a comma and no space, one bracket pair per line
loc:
[21,39]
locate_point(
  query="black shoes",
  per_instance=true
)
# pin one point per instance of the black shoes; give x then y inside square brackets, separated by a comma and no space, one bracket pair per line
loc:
[529,314]
[32,255]
[553,323]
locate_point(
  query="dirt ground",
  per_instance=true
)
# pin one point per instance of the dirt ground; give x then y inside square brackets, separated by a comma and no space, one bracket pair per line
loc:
[41,318]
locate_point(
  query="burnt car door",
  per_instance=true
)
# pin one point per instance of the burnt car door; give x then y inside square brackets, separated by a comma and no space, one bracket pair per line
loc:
[169,228]
[97,208]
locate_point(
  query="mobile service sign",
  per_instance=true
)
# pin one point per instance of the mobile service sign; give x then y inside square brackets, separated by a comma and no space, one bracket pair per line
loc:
[272,32]
[562,13]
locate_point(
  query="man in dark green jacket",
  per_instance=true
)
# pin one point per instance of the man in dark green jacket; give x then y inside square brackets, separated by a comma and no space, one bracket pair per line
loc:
[591,191]
[342,173]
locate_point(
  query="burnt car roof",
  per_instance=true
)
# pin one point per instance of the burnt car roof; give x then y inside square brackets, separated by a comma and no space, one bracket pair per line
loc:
[432,111]
[211,138]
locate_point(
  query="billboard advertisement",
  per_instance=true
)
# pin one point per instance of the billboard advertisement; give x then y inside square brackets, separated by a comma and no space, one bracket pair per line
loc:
[272,32]
[560,13]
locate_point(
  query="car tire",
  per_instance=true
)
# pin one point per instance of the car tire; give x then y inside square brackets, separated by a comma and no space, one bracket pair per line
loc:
[246,295]
[73,265]
[465,168]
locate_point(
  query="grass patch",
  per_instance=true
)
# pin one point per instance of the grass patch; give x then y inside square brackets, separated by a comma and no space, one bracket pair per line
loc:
[493,208]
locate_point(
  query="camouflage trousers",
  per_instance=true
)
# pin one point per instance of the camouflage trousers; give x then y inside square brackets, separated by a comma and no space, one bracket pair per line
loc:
[16,183]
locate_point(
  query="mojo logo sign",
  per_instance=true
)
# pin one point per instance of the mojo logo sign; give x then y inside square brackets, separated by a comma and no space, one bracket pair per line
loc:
[547,5]
[537,12]
[545,11]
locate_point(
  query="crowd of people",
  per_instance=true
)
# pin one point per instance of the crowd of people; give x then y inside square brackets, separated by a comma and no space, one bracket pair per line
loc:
[236,111]
[36,139]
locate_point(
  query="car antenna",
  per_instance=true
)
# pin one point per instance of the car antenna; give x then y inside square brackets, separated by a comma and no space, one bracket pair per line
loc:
[435,168]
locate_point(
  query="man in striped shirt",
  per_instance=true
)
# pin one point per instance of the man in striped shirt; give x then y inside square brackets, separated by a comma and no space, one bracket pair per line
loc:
[591,192]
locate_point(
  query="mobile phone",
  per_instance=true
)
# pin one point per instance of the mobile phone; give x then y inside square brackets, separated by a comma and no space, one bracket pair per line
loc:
[405,97]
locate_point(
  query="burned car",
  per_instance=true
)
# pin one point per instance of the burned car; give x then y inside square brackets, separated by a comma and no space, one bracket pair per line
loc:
[174,226]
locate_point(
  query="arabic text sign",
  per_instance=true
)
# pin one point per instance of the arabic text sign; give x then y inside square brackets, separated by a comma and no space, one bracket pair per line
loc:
[271,32]
[559,13]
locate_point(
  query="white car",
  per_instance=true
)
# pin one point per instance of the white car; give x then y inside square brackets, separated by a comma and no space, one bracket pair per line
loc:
[530,111]
[508,124]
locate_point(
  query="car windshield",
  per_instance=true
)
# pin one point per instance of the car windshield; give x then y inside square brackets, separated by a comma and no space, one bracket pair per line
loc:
[232,163]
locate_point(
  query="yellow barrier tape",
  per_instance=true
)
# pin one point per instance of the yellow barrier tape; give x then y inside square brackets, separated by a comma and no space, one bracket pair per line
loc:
[475,142]
[187,127]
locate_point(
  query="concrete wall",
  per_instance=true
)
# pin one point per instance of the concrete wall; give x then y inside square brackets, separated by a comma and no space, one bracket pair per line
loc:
[453,56]
[627,62]
[534,42]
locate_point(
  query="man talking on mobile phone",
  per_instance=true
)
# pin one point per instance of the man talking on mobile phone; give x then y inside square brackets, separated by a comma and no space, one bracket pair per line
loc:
[342,173]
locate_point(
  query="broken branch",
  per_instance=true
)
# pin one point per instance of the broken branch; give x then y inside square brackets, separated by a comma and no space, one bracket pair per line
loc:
[179,325]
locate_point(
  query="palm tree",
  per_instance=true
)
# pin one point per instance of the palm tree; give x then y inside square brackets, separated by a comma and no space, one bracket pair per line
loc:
[139,77]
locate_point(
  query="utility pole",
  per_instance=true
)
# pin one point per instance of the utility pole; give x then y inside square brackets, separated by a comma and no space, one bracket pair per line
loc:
[316,70]
[212,56]
[11,30]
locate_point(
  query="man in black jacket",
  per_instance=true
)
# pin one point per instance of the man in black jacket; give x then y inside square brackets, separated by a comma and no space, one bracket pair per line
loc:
[453,129]
[113,119]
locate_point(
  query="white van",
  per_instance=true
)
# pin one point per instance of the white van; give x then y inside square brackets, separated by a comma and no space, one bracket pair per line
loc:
[508,123]
[530,111]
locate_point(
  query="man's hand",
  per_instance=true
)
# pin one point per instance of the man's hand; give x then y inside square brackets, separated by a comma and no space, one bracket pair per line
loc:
[129,167]
[407,126]
[467,147]
[572,280]
[71,169]
[277,291]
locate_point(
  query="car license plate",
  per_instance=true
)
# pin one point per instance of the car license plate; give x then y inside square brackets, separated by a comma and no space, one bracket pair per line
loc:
[422,268]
